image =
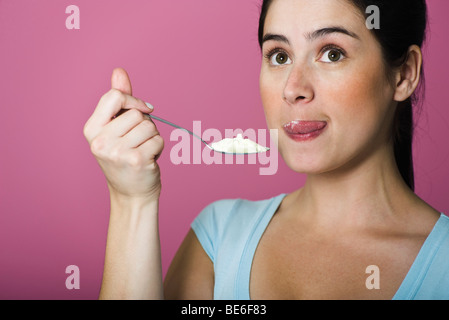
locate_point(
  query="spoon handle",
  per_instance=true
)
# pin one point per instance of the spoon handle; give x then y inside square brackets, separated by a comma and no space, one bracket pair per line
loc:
[176,126]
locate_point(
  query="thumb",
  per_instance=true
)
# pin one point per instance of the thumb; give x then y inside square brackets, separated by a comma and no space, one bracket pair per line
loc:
[120,81]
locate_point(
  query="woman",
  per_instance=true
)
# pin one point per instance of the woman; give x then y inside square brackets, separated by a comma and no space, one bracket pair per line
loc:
[341,95]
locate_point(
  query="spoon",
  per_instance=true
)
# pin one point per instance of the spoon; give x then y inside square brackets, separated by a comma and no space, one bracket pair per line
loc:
[213,146]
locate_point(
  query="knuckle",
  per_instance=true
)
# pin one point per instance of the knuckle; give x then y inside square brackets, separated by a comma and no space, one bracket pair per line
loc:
[109,95]
[86,131]
[112,95]
[135,159]
[115,94]
[159,141]
[135,115]
[148,125]
[115,155]
[97,146]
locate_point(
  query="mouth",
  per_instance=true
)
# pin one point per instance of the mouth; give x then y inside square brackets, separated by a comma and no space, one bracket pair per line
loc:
[304,130]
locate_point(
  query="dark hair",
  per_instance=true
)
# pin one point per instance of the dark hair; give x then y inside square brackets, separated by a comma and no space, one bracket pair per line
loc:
[403,23]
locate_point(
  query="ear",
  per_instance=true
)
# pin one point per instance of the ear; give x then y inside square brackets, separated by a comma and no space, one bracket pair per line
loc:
[408,74]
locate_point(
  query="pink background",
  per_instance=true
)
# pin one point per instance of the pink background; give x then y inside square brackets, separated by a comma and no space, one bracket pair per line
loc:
[194,60]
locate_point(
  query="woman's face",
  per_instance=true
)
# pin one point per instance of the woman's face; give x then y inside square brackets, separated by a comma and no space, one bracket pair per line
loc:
[323,84]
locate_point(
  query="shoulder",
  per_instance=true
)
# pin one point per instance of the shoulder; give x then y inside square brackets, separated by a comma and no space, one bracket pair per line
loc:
[222,212]
[229,218]
[439,244]
[431,280]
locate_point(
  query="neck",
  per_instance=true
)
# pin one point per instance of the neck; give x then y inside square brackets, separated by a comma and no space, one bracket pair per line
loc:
[366,194]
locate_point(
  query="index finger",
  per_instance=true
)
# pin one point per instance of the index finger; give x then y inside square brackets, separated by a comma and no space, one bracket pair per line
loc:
[109,106]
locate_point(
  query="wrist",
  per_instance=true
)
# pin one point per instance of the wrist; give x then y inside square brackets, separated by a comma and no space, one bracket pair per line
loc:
[133,204]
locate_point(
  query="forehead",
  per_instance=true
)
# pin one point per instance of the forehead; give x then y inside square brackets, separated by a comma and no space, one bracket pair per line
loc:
[295,17]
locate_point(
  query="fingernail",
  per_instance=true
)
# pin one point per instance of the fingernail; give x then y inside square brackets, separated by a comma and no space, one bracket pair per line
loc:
[149,105]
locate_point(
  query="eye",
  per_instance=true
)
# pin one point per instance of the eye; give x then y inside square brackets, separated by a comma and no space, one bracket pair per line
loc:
[277,57]
[332,55]
[280,58]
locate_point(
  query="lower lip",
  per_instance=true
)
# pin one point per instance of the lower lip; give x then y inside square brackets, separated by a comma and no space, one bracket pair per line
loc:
[302,137]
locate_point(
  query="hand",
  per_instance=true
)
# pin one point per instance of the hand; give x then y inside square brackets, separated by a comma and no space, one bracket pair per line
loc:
[127,146]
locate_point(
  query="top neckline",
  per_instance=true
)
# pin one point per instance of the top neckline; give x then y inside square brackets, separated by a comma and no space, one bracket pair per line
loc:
[408,288]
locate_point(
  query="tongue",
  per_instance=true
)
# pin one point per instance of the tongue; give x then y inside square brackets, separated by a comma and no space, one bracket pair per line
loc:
[304,127]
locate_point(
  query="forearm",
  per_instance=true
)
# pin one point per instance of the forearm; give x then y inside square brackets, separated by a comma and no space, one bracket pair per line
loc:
[133,257]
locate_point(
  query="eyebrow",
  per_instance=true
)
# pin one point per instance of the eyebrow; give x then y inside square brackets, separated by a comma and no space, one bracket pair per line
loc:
[329,30]
[311,36]
[275,37]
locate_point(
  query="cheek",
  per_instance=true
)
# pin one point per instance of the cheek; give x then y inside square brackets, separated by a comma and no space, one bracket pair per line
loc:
[361,98]
[361,116]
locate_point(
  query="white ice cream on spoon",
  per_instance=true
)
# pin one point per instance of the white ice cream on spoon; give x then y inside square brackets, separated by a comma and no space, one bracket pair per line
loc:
[238,145]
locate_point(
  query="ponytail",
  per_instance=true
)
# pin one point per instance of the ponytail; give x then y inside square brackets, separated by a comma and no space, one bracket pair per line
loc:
[403,141]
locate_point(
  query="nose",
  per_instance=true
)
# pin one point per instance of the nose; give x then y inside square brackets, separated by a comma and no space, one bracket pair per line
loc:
[298,88]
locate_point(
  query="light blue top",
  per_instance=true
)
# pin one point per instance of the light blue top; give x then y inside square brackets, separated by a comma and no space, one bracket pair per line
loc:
[230,230]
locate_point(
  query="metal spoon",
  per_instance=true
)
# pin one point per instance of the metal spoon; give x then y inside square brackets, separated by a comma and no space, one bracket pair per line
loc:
[198,137]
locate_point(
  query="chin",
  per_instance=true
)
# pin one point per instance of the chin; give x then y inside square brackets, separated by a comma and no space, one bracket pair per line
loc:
[306,164]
